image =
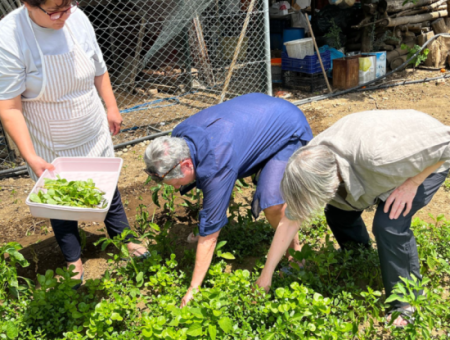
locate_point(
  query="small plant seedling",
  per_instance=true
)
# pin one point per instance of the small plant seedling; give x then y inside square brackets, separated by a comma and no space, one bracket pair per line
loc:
[82,194]
[168,194]
[420,58]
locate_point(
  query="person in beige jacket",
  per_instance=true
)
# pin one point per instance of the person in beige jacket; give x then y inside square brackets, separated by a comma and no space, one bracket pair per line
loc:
[394,159]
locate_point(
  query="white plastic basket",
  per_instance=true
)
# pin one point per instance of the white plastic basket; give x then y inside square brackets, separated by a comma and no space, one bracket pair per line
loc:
[299,48]
[103,171]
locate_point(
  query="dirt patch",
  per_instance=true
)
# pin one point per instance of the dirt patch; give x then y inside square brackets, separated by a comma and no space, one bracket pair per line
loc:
[37,237]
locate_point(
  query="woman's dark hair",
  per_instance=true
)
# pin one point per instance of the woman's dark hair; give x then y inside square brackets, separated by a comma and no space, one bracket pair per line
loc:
[37,3]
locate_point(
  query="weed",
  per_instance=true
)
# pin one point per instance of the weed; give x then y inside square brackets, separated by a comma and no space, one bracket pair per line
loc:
[194,203]
[168,195]
[9,280]
[420,58]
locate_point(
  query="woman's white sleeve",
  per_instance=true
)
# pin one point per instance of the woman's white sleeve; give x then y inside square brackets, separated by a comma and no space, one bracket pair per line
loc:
[100,66]
[12,74]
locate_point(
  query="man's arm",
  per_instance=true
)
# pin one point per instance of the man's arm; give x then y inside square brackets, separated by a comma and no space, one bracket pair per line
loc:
[14,123]
[284,235]
[216,197]
[104,88]
[205,252]
[403,196]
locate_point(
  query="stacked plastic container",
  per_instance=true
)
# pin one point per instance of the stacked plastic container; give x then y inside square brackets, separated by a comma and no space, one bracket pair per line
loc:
[299,48]
[301,66]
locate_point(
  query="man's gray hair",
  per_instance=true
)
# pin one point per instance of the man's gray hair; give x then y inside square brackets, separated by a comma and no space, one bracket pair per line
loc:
[309,182]
[163,153]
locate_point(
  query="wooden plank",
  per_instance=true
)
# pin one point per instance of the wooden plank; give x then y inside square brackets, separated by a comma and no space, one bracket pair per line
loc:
[237,50]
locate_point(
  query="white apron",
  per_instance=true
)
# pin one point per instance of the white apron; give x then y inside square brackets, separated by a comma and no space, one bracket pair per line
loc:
[67,118]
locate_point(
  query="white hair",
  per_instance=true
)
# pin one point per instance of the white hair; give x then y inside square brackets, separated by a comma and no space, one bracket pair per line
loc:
[309,182]
[163,153]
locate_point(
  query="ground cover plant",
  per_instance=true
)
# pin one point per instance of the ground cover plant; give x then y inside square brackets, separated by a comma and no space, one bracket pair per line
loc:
[337,295]
[81,194]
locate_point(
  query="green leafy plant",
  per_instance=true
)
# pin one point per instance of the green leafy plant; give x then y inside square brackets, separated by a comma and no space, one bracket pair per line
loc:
[194,203]
[9,280]
[334,35]
[420,58]
[158,237]
[82,194]
[168,195]
[426,304]
[337,295]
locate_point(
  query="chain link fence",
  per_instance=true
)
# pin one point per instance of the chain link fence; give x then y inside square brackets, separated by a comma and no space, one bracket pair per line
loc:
[170,59]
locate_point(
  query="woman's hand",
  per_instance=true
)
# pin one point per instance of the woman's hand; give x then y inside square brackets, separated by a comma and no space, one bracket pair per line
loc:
[264,284]
[39,165]
[402,199]
[114,120]
[187,297]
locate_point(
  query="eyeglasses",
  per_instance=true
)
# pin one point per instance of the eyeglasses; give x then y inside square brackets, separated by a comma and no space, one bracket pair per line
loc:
[160,178]
[57,15]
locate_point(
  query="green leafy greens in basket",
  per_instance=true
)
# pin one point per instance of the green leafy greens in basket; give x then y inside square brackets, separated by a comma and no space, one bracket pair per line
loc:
[82,194]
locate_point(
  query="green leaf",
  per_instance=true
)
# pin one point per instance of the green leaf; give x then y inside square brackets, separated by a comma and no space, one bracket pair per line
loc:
[392,297]
[227,256]
[221,244]
[197,312]
[154,226]
[35,198]
[269,336]
[124,250]
[195,330]
[18,256]
[155,198]
[226,324]
[116,316]
[212,329]
[12,331]
[311,327]
[280,292]
[140,277]
[345,327]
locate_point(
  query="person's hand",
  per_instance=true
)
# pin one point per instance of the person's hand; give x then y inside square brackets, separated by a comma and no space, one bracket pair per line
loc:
[114,120]
[401,199]
[39,165]
[187,297]
[264,284]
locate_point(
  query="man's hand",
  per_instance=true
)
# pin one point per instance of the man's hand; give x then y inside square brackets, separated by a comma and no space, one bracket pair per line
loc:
[402,199]
[187,297]
[39,165]
[114,120]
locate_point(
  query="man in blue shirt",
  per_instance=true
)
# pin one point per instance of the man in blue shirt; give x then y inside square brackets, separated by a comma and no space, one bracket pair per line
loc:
[251,134]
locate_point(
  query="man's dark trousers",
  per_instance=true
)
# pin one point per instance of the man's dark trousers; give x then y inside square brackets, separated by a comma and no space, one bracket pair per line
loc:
[396,243]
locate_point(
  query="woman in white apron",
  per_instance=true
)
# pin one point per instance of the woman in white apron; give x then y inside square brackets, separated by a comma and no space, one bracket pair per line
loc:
[51,74]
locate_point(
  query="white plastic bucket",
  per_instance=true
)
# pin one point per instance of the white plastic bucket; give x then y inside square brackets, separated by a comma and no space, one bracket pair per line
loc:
[103,171]
[299,48]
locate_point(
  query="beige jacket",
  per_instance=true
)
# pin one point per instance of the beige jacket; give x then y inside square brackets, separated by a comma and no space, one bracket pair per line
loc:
[377,151]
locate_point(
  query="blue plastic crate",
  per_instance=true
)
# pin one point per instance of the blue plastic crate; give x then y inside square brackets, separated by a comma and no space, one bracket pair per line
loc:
[309,64]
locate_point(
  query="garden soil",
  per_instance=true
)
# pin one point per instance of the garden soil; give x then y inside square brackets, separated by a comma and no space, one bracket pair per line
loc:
[42,251]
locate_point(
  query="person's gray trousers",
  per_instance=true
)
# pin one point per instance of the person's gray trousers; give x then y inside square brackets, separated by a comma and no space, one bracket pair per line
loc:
[396,243]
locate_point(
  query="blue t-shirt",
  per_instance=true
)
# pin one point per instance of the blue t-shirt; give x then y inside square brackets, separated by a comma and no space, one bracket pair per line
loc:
[234,140]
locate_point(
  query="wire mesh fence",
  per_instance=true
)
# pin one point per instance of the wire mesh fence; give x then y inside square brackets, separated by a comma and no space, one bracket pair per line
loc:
[7,155]
[170,59]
